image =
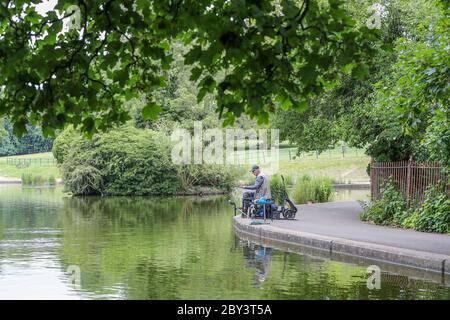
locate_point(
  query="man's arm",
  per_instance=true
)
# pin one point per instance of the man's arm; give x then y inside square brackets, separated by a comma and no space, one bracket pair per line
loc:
[259,181]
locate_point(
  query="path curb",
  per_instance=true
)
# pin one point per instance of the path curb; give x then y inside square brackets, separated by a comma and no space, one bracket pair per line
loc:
[411,258]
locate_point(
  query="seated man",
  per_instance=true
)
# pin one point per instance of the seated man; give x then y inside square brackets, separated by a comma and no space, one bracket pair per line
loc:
[260,189]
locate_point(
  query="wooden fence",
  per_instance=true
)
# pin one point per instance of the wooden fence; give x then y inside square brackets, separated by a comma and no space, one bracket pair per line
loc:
[411,178]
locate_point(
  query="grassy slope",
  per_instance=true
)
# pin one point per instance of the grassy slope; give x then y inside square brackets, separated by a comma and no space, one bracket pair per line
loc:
[351,168]
[45,170]
[339,169]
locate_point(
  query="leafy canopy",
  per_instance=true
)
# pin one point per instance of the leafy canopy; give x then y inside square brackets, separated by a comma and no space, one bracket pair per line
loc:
[254,56]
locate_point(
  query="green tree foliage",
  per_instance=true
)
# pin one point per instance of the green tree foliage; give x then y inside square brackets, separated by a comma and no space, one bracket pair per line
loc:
[434,214]
[3,132]
[131,161]
[398,110]
[419,92]
[65,142]
[389,209]
[126,161]
[254,56]
[178,101]
[32,141]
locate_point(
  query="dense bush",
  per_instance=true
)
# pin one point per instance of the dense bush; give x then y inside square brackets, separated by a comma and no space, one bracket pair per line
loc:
[27,179]
[130,161]
[64,143]
[126,161]
[277,188]
[84,180]
[312,189]
[433,215]
[206,175]
[51,181]
[389,209]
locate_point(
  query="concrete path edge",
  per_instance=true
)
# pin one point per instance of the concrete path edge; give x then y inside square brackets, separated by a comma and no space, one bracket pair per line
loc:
[411,258]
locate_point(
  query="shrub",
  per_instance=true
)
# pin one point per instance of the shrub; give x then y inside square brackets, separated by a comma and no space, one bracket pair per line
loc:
[84,180]
[434,213]
[126,161]
[131,161]
[38,180]
[27,179]
[51,181]
[216,176]
[277,188]
[64,143]
[206,175]
[308,189]
[288,180]
[389,209]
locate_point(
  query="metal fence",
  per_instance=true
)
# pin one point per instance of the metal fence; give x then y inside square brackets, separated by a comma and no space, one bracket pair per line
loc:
[290,154]
[411,178]
[28,162]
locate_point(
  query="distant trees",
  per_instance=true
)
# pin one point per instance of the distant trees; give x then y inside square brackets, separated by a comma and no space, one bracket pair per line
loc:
[31,142]
[401,108]
[253,56]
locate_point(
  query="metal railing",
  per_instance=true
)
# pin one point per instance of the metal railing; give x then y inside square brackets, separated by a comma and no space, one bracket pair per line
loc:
[411,178]
[28,162]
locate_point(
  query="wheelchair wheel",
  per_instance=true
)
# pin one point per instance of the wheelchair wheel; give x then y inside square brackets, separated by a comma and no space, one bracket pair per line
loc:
[289,214]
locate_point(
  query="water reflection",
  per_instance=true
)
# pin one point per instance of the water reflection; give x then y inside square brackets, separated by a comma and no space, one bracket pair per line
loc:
[171,248]
[257,257]
[349,193]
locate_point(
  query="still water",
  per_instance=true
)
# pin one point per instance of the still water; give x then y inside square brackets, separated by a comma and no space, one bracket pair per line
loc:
[176,248]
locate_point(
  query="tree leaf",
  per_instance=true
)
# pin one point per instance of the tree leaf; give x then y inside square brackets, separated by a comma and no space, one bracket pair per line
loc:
[151,110]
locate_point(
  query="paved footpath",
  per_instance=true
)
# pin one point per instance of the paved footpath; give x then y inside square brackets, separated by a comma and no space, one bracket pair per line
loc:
[336,227]
[341,220]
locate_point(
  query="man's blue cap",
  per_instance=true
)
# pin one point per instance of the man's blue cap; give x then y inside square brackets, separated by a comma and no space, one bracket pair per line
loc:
[255,167]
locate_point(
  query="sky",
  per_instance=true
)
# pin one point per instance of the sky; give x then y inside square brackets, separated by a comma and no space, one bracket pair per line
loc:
[45,6]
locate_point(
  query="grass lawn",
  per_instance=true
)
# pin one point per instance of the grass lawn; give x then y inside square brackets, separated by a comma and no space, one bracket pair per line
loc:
[351,168]
[341,165]
[341,170]
[37,164]
[44,155]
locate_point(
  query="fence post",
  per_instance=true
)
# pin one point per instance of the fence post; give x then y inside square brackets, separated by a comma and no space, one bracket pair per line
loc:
[408,183]
[372,180]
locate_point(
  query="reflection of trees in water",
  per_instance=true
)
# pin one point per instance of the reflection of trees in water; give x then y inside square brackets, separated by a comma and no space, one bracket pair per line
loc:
[29,208]
[294,276]
[180,248]
[151,280]
[28,221]
[133,211]
[169,247]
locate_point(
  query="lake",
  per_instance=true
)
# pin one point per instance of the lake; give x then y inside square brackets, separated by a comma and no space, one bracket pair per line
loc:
[53,246]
